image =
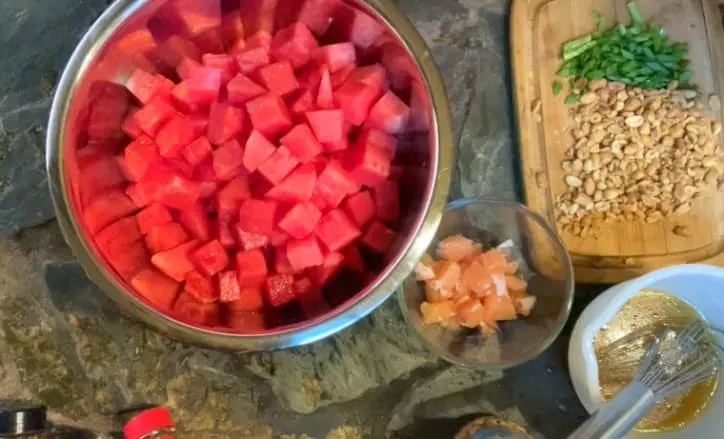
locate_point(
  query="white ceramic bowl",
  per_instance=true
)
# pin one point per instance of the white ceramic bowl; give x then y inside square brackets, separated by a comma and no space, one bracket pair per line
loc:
[702,286]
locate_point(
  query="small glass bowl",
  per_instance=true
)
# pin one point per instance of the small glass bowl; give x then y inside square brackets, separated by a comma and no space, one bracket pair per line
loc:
[544,263]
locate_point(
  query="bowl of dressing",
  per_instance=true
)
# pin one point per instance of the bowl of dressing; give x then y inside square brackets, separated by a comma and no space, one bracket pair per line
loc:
[667,297]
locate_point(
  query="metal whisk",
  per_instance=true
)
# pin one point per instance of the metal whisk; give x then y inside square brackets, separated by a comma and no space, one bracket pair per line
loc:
[673,362]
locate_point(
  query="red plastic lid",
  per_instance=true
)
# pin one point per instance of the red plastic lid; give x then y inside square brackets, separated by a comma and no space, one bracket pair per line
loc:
[147,422]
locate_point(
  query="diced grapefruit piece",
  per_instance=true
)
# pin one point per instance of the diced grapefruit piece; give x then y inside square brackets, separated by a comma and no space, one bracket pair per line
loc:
[424,269]
[456,248]
[437,312]
[524,305]
[471,313]
[498,308]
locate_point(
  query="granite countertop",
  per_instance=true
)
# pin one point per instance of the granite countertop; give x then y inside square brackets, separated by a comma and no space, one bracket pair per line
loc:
[62,343]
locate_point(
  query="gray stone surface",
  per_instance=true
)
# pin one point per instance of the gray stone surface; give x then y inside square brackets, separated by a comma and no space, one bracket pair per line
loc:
[63,343]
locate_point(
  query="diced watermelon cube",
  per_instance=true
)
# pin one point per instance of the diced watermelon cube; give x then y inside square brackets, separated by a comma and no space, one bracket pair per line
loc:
[98,171]
[303,103]
[136,193]
[249,240]
[201,287]
[340,76]
[121,164]
[331,265]
[356,26]
[252,268]
[182,100]
[131,260]
[107,111]
[224,233]
[269,115]
[242,89]
[380,139]
[165,85]
[400,66]
[252,58]
[300,220]
[353,259]
[355,99]
[230,197]
[328,125]
[302,143]
[204,84]
[186,66]
[174,136]
[178,165]
[257,150]
[158,289]
[106,208]
[297,186]
[304,286]
[310,77]
[210,258]
[249,299]
[258,216]
[389,114]
[334,183]
[278,238]
[200,122]
[336,56]
[165,237]
[210,40]
[374,75]
[281,261]
[317,15]
[419,120]
[225,122]
[325,96]
[368,164]
[387,201]
[130,125]
[153,115]
[226,63]
[278,165]
[115,237]
[229,289]
[278,78]
[232,27]
[143,85]
[198,151]
[336,230]
[170,189]
[196,221]
[228,160]
[378,237]
[360,207]
[153,215]
[245,322]
[294,44]
[176,49]
[176,263]
[280,289]
[193,311]
[304,253]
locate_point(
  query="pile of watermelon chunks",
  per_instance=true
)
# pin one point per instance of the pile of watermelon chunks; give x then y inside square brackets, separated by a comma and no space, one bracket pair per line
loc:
[257,169]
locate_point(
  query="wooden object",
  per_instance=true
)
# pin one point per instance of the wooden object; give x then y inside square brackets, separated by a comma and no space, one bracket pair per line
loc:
[624,250]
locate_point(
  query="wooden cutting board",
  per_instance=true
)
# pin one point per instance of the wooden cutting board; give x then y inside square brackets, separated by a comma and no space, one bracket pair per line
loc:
[624,250]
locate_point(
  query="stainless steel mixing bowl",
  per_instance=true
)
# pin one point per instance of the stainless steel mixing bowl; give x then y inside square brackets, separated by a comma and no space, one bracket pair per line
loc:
[122,39]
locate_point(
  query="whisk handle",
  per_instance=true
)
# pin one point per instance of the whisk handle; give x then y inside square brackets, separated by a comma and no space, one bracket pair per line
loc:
[618,416]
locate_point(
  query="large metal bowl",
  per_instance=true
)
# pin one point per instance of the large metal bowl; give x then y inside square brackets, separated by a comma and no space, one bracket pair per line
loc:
[97,60]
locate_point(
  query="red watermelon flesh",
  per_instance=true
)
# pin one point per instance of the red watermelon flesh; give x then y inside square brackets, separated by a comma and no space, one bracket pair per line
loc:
[229,289]
[130,125]
[269,115]
[191,310]
[278,165]
[368,164]
[228,160]
[258,216]
[387,201]
[300,221]
[252,58]
[294,44]
[281,261]
[257,150]
[226,63]
[302,143]
[353,259]
[210,258]
[106,208]
[165,237]
[252,268]
[156,288]
[378,237]
[278,78]
[334,183]
[143,85]
[153,115]
[115,237]
[331,265]
[389,114]
[317,15]
[186,66]
[297,186]
[225,122]
[223,231]
[304,253]
[325,96]
[176,263]
[196,221]
[245,322]
[355,98]
[336,230]
[340,76]
[197,151]
[249,240]
[328,125]
[174,136]
[242,89]
[360,207]
[336,56]
[153,215]
[280,289]
[230,197]
[201,287]
[204,84]
[250,299]
[303,103]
